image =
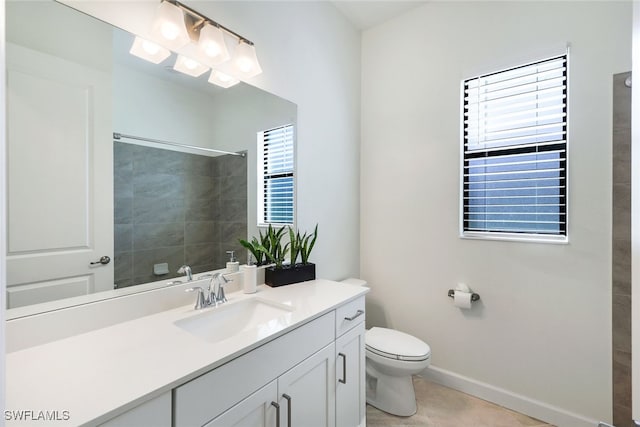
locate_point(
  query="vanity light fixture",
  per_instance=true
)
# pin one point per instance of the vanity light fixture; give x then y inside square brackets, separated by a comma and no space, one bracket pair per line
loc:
[200,44]
[221,79]
[149,51]
[211,44]
[245,61]
[189,66]
[169,26]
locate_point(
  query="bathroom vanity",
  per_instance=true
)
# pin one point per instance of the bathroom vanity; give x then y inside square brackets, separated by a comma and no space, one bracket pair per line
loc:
[289,356]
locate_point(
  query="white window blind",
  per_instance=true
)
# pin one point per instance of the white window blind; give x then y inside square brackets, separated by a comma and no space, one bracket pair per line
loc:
[276,176]
[515,152]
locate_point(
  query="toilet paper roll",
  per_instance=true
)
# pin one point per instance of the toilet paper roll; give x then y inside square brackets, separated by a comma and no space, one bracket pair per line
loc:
[462,299]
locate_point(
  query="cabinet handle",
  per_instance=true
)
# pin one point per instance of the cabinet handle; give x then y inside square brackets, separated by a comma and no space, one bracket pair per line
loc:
[286,396]
[344,368]
[277,406]
[358,314]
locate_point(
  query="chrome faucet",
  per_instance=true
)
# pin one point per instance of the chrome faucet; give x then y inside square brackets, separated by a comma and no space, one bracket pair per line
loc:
[201,301]
[217,296]
[185,269]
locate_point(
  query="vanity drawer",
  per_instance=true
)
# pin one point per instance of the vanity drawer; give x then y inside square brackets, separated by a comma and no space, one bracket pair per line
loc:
[204,398]
[349,315]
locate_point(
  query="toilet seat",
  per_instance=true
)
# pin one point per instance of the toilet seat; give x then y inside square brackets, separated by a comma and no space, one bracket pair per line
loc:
[396,345]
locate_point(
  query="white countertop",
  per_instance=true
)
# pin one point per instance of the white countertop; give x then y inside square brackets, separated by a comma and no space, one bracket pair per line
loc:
[103,373]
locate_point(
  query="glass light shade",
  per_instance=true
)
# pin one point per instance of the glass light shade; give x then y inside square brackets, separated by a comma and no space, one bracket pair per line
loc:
[169,26]
[245,62]
[149,51]
[221,79]
[212,46]
[189,66]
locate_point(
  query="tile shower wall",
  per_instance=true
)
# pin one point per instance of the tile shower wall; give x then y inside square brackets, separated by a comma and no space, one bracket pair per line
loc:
[621,252]
[175,208]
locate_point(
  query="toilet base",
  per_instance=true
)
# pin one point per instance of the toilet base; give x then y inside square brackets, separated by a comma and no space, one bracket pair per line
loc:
[391,394]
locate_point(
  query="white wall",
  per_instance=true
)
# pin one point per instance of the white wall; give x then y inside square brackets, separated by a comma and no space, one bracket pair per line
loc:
[310,55]
[542,329]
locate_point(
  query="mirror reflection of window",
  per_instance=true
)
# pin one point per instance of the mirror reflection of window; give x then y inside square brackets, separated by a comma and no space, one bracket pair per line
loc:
[276,177]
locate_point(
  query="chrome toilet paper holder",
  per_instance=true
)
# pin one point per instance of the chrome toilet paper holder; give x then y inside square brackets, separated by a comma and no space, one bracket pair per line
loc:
[474,296]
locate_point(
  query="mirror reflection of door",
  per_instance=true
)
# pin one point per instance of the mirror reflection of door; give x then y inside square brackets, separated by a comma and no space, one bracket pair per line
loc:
[57,224]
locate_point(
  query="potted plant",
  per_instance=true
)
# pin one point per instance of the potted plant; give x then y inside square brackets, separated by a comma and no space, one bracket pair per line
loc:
[271,249]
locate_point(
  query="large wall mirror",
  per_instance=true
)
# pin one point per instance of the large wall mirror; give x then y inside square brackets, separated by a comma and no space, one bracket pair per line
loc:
[75,194]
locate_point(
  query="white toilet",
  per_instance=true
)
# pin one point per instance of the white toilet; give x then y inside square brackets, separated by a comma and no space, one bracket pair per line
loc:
[392,358]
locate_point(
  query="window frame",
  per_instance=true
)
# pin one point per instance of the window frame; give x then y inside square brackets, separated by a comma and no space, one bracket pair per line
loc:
[261,180]
[505,235]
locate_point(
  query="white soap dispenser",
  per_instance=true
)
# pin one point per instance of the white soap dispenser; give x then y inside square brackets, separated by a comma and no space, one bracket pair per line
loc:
[232,265]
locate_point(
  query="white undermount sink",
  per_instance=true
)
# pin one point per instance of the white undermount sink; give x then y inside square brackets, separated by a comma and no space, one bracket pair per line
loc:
[253,315]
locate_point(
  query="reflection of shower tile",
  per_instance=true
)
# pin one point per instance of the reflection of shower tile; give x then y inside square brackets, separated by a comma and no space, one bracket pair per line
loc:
[144,260]
[122,157]
[122,183]
[200,254]
[123,237]
[158,185]
[231,210]
[122,266]
[147,236]
[199,210]
[152,210]
[233,187]
[157,161]
[199,187]
[232,231]
[216,166]
[234,166]
[199,232]
[123,210]
[197,165]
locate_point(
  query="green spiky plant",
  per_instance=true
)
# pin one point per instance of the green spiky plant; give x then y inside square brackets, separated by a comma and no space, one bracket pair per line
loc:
[306,246]
[272,246]
[294,249]
[255,247]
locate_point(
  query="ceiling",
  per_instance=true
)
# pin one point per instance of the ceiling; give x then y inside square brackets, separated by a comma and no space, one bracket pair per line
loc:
[366,14]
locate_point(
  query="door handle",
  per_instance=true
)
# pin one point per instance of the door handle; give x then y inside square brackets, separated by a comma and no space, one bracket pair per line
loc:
[358,314]
[343,380]
[103,260]
[286,396]
[277,406]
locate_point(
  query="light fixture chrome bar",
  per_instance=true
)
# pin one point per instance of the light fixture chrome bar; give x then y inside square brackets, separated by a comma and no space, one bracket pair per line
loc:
[119,136]
[206,19]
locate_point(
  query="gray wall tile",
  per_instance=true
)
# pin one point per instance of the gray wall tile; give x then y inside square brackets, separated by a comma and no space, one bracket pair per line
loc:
[123,210]
[172,209]
[148,210]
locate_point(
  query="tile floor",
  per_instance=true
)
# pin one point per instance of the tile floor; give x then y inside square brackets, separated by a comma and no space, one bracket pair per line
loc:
[440,406]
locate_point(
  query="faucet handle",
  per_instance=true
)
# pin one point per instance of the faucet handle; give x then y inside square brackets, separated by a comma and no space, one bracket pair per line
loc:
[221,297]
[200,301]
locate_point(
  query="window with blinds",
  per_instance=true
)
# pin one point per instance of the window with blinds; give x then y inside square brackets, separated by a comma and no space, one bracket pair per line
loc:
[515,152]
[276,176]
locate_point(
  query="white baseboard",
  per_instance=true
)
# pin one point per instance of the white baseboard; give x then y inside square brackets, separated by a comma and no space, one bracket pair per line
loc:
[523,404]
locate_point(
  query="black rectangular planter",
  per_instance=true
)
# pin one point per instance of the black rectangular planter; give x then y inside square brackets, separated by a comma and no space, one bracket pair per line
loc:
[285,276]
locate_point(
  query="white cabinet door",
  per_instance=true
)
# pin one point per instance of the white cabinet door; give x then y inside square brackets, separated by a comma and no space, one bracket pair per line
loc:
[350,378]
[307,392]
[59,178]
[258,410]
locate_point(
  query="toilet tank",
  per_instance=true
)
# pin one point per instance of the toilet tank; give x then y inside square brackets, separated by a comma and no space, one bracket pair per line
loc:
[354,281]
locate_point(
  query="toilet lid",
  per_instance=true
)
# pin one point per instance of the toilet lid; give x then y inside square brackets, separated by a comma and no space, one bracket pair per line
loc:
[396,345]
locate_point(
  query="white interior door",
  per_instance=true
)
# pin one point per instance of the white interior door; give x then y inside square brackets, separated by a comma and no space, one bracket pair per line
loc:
[59,178]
